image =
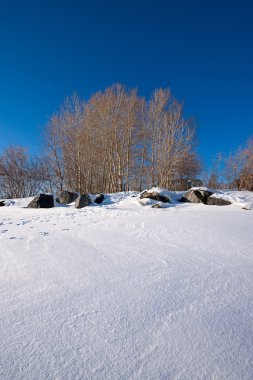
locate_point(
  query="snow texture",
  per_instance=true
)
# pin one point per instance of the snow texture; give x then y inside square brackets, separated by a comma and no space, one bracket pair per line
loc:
[122,291]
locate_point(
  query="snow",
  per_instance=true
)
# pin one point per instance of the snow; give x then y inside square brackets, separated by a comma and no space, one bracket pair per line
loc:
[121,291]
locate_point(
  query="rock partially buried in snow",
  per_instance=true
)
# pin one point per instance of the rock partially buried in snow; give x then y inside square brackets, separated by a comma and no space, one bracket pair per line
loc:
[156,205]
[215,201]
[99,198]
[42,201]
[82,201]
[64,197]
[198,195]
[155,196]
[2,203]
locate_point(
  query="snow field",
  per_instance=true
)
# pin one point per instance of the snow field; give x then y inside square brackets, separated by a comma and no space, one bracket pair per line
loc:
[123,291]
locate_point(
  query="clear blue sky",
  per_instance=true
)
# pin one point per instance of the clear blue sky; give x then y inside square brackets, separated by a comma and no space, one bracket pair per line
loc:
[202,50]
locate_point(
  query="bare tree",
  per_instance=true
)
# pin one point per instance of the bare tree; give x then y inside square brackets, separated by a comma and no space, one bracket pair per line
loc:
[216,172]
[239,167]
[116,140]
[21,176]
[171,140]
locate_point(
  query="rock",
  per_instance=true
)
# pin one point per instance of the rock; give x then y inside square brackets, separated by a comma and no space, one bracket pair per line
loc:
[64,197]
[156,205]
[99,198]
[198,196]
[183,200]
[155,196]
[205,195]
[42,201]
[217,201]
[2,203]
[193,196]
[82,201]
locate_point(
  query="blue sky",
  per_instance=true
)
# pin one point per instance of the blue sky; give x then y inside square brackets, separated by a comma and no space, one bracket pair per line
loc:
[202,50]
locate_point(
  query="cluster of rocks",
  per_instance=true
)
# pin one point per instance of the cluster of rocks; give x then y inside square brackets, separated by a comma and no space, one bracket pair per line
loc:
[64,197]
[154,196]
[191,196]
[204,196]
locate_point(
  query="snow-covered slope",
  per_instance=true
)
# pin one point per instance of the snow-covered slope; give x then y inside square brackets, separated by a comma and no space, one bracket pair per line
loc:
[122,291]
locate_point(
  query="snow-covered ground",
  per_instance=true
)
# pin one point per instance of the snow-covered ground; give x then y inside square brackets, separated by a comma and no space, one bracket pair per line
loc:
[124,291]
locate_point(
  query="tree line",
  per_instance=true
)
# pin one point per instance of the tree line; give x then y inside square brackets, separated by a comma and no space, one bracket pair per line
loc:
[112,142]
[234,171]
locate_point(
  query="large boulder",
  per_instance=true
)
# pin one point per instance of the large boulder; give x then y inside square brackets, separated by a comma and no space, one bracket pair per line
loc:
[155,196]
[198,195]
[215,201]
[82,201]
[99,198]
[65,197]
[42,201]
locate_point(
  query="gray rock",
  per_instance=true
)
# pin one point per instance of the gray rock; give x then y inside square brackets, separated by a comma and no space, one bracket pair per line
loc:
[192,196]
[64,197]
[99,198]
[217,201]
[198,196]
[82,201]
[42,201]
[155,196]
